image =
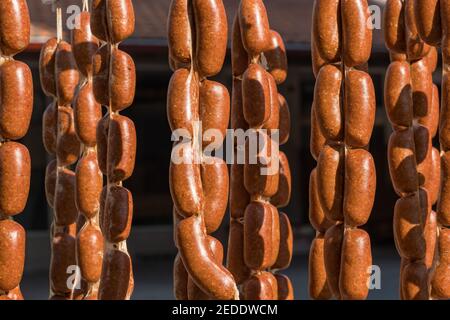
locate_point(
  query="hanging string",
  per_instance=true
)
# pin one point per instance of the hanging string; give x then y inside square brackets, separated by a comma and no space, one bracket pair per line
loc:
[59,25]
[85,5]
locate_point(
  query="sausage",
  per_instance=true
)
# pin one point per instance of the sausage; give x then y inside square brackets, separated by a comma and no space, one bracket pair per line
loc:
[356,265]
[122,80]
[256,95]
[239,57]
[272,125]
[67,75]
[237,111]
[317,217]
[186,184]
[275,239]
[330,180]
[179,31]
[49,128]
[444,125]
[214,174]
[211,34]
[65,207]
[416,47]
[258,223]
[285,288]
[120,19]
[100,78]
[12,254]
[239,197]
[261,176]
[317,140]
[431,119]
[255,29]
[332,257]
[101,134]
[180,279]
[63,256]
[182,101]
[90,253]
[428,20]
[121,148]
[327,102]
[360,108]
[434,181]
[115,280]
[356,34]
[402,162]
[398,93]
[360,176]
[50,182]
[214,111]
[285,119]
[118,214]
[16,98]
[67,145]
[422,86]
[276,58]
[317,276]
[47,67]
[286,243]
[14,26]
[236,264]
[87,113]
[326,29]
[445,19]
[88,185]
[15,173]
[414,281]
[282,197]
[408,229]
[98,20]
[316,60]
[84,44]
[444,199]
[260,287]
[394,26]
[210,277]
[440,281]
[423,151]
[430,235]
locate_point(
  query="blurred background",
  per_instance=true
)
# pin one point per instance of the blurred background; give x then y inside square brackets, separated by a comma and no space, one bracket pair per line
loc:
[151,243]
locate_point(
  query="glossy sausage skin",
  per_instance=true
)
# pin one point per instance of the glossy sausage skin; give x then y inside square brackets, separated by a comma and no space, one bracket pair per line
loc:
[14,26]
[256,95]
[67,75]
[317,281]
[444,125]
[260,287]
[12,254]
[276,58]
[115,281]
[332,252]
[359,175]
[440,281]
[98,19]
[63,256]
[50,182]
[84,44]
[285,120]
[68,146]
[236,263]
[180,279]
[211,35]
[90,253]
[15,173]
[100,80]
[102,143]
[120,19]
[49,128]
[414,281]
[66,211]
[47,67]
[428,19]
[282,197]
[326,30]
[122,80]
[444,199]
[317,216]
[118,214]
[87,113]
[212,278]
[394,26]
[16,98]
[255,29]
[179,31]
[422,86]
[317,140]
[416,47]
[239,57]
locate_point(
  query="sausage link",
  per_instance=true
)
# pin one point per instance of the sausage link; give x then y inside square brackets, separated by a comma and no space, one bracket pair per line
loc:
[416,47]
[49,128]
[87,113]
[260,287]
[239,59]
[414,281]
[356,33]
[318,284]
[47,67]
[422,86]
[286,243]
[256,95]
[90,253]
[326,29]
[285,288]
[67,75]
[211,35]
[100,79]
[101,134]
[440,280]
[317,216]
[120,19]
[122,81]
[12,254]
[67,145]
[282,197]
[444,199]
[276,58]
[84,44]
[317,140]
[14,26]
[431,119]
[180,279]
[428,19]
[285,120]
[65,207]
[118,214]
[179,30]
[332,257]
[237,107]
[115,281]
[255,29]
[394,26]
[16,99]
[50,182]
[63,256]
[236,263]
[98,19]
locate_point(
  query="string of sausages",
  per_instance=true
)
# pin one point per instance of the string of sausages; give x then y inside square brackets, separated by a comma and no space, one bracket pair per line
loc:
[16,105]
[88,177]
[342,187]
[412,106]
[197,33]
[433,26]
[260,239]
[113,86]
[59,79]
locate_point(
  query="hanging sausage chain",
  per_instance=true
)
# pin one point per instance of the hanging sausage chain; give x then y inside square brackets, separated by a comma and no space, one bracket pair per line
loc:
[412,107]
[113,85]
[342,187]
[88,179]
[59,79]
[16,105]
[197,32]
[433,26]
[260,239]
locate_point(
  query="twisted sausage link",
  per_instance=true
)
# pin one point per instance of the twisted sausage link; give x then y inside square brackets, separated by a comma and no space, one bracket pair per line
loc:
[342,187]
